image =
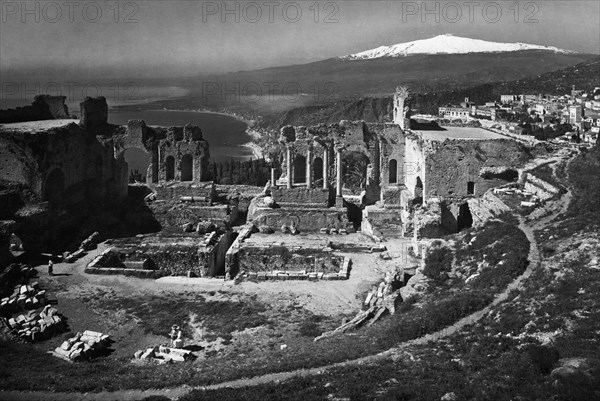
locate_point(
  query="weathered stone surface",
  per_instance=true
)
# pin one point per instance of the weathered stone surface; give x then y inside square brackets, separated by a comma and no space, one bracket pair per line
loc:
[93,112]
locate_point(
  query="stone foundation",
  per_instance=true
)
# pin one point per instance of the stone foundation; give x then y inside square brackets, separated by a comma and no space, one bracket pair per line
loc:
[201,257]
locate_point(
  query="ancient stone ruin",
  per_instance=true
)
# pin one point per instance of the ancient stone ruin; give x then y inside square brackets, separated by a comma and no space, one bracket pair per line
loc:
[383,179]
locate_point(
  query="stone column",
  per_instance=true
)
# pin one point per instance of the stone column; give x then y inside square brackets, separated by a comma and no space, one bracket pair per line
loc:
[338,155]
[273,182]
[325,169]
[309,168]
[289,168]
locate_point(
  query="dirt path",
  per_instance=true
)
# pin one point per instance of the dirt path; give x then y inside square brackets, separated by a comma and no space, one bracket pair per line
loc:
[398,351]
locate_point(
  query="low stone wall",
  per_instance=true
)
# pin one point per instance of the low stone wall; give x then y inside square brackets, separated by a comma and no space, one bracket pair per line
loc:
[342,274]
[539,187]
[204,258]
[265,258]
[98,266]
[174,215]
[303,219]
[302,196]
[204,192]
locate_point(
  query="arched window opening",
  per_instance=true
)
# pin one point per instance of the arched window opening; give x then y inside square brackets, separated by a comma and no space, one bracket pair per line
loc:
[393,171]
[187,168]
[354,170]
[318,169]
[137,164]
[299,169]
[170,168]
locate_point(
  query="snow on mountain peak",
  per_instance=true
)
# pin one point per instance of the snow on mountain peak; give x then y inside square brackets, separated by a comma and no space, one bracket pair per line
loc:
[446,44]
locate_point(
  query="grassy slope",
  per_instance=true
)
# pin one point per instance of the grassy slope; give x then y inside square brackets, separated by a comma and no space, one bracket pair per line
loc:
[449,301]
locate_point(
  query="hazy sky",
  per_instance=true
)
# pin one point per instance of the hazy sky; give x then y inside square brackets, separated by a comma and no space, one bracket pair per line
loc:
[174,38]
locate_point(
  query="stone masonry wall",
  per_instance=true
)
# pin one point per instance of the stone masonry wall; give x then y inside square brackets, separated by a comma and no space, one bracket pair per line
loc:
[451,164]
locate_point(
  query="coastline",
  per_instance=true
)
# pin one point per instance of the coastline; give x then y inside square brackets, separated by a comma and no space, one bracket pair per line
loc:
[255,147]
[257,151]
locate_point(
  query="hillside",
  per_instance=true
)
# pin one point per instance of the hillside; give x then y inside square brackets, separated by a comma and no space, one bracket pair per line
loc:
[378,109]
[380,76]
[368,109]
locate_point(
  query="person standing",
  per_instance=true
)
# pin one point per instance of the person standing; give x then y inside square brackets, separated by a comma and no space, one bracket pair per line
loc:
[50,268]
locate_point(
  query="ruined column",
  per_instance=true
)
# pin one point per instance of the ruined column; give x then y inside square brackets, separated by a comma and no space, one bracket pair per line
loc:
[325,169]
[272,177]
[309,168]
[289,168]
[338,155]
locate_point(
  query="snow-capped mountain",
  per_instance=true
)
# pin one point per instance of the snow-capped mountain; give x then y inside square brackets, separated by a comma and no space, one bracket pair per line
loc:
[447,44]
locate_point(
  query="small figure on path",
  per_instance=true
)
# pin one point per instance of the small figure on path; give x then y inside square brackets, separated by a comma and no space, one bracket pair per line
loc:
[176,337]
[50,267]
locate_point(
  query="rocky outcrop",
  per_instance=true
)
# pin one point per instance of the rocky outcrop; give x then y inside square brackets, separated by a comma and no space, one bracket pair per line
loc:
[43,107]
[576,371]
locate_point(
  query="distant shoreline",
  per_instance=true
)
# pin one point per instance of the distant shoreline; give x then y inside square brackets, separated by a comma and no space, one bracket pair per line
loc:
[254,135]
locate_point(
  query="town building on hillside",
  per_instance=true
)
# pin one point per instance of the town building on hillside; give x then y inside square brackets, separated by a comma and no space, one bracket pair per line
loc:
[507,99]
[575,114]
[454,112]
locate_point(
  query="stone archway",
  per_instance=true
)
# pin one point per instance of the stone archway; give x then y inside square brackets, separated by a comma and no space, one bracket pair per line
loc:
[170,168]
[138,161]
[317,169]
[354,170]
[299,169]
[187,168]
[54,187]
[464,219]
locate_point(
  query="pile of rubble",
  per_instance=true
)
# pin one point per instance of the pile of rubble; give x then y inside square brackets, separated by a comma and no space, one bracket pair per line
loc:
[24,297]
[34,326]
[382,299]
[13,275]
[162,355]
[87,244]
[84,346]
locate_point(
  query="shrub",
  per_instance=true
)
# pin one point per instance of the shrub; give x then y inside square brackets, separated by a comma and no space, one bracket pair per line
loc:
[437,261]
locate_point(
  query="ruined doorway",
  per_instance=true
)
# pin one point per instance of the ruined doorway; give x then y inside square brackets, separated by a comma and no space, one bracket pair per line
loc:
[54,188]
[170,168]
[137,165]
[393,171]
[299,169]
[354,170]
[318,170]
[470,188]
[464,219]
[187,168]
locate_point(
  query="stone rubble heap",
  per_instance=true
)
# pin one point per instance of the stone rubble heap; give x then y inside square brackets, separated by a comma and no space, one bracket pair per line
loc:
[34,326]
[24,297]
[84,346]
[382,299]
[162,355]
[87,244]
